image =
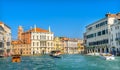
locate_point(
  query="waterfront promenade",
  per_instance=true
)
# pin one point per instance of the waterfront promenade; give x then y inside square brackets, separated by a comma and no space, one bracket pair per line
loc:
[67,62]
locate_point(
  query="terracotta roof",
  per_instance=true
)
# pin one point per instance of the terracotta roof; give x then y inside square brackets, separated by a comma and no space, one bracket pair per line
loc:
[1,22]
[16,42]
[37,30]
[65,39]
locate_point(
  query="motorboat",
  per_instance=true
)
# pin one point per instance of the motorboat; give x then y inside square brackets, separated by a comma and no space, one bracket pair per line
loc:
[55,54]
[16,58]
[107,56]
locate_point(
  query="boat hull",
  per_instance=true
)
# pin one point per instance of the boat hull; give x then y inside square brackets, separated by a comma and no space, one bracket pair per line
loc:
[55,56]
[16,58]
[108,57]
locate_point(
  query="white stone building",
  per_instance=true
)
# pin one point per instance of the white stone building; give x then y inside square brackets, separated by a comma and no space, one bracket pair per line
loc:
[71,46]
[97,35]
[41,41]
[5,38]
[115,35]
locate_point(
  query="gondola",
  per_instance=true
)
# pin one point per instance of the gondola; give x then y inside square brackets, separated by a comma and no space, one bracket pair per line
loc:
[55,54]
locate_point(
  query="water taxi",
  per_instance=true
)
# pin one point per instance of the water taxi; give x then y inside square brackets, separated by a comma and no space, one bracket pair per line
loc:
[107,56]
[16,58]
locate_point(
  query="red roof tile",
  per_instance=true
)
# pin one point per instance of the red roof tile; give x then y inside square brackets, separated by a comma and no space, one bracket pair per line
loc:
[37,30]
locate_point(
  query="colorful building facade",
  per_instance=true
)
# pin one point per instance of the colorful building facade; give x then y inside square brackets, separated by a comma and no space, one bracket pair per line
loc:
[58,44]
[34,41]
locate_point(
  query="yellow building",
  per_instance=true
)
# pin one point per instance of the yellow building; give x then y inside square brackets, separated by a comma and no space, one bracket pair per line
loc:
[80,46]
[58,44]
[20,48]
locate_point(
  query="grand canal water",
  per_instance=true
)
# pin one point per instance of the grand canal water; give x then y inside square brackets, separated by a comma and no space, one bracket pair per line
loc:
[67,62]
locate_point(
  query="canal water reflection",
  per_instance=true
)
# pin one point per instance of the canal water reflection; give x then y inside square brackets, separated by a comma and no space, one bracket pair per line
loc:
[67,62]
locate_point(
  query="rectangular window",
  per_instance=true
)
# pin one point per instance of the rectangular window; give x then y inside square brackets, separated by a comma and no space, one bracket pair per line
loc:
[48,37]
[48,43]
[8,43]
[96,26]
[51,44]
[116,35]
[95,34]
[116,28]
[103,32]
[106,31]
[1,44]
[51,37]
[33,44]
[37,43]
[37,37]
[33,37]
[105,22]
[40,37]
[99,33]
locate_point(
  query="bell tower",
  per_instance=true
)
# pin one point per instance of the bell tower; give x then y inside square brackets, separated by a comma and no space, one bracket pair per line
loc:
[20,31]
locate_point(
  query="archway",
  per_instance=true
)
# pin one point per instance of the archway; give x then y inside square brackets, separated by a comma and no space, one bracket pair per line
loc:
[99,50]
[43,51]
[107,50]
[102,50]
[33,52]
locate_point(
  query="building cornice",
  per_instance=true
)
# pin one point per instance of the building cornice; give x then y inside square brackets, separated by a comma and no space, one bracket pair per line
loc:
[96,22]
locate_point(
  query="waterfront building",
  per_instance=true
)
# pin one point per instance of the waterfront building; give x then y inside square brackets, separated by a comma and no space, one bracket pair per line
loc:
[81,47]
[5,38]
[23,44]
[97,35]
[36,40]
[115,36]
[19,47]
[41,41]
[70,45]
[58,44]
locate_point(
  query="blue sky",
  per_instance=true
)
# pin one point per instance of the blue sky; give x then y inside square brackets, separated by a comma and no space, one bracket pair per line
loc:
[65,17]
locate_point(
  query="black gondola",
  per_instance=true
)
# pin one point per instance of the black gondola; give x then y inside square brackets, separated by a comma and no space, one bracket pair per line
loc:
[55,54]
